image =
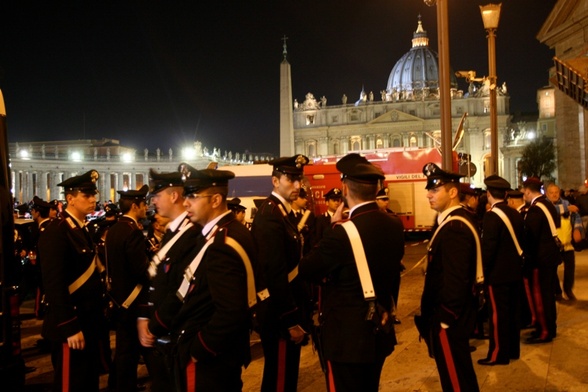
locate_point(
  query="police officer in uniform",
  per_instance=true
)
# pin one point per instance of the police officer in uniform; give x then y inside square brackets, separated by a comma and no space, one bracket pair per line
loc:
[279,246]
[503,273]
[73,289]
[40,211]
[448,305]
[212,326]
[126,263]
[333,199]
[239,210]
[541,261]
[166,269]
[354,352]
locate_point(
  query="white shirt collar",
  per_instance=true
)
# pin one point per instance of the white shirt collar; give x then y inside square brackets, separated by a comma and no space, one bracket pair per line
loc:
[210,225]
[130,217]
[442,215]
[357,206]
[173,225]
[284,202]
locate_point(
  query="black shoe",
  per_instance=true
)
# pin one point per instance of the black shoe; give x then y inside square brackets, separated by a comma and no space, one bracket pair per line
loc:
[472,349]
[396,321]
[29,369]
[559,297]
[571,296]
[537,340]
[488,362]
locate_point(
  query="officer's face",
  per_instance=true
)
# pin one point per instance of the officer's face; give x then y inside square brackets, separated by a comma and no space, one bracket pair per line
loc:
[199,206]
[163,201]
[382,203]
[81,204]
[333,204]
[142,210]
[287,187]
[440,198]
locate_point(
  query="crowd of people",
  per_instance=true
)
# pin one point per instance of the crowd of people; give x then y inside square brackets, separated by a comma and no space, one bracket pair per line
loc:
[184,287]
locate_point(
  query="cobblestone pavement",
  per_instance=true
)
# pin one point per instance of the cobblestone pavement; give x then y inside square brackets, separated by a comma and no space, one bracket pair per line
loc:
[556,366]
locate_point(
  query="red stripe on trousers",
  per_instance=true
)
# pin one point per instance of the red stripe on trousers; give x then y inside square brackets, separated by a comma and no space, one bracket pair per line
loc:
[191,376]
[281,380]
[494,354]
[65,368]
[330,377]
[539,304]
[449,363]
[530,301]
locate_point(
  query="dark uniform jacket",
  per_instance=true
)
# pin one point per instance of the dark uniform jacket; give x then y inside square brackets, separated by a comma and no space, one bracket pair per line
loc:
[163,304]
[126,256]
[215,313]
[322,223]
[448,295]
[347,336]
[68,251]
[542,250]
[279,249]
[502,263]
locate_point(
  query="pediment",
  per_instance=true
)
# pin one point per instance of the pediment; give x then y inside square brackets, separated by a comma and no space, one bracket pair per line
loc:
[395,116]
[565,14]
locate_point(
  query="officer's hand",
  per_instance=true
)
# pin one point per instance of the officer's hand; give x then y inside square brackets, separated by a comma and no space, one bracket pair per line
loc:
[573,208]
[338,215]
[297,334]
[146,338]
[76,342]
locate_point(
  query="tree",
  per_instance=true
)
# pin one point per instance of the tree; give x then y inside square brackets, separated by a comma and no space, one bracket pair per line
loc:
[538,159]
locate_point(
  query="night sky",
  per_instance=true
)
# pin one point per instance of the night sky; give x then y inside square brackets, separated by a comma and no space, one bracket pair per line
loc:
[155,75]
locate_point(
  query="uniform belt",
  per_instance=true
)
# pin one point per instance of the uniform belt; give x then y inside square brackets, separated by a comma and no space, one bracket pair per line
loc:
[83,277]
[131,298]
[293,274]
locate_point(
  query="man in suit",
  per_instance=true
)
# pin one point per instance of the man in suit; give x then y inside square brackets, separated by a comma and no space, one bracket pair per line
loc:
[448,304]
[213,323]
[503,273]
[354,350]
[279,247]
[73,289]
[126,263]
[166,269]
[541,261]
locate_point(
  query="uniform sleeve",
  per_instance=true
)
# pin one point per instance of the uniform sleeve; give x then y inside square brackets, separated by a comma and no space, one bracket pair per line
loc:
[458,266]
[490,240]
[227,282]
[269,235]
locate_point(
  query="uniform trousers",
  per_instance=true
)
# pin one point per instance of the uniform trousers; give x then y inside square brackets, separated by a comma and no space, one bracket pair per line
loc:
[569,263]
[76,370]
[351,377]
[451,349]
[158,368]
[543,301]
[504,324]
[126,356]
[208,376]
[282,361]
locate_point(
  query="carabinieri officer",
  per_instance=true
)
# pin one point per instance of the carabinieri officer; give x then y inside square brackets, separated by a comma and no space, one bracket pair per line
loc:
[73,290]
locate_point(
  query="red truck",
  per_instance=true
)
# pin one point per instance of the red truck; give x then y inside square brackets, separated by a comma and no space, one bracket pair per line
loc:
[405,181]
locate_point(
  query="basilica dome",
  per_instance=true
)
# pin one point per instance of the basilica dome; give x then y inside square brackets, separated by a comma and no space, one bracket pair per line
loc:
[416,74]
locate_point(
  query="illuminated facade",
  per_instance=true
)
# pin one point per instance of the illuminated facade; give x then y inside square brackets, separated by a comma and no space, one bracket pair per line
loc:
[37,168]
[406,114]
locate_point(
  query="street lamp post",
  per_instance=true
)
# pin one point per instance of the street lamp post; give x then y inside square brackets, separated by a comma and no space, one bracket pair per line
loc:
[444,81]
[491,17]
